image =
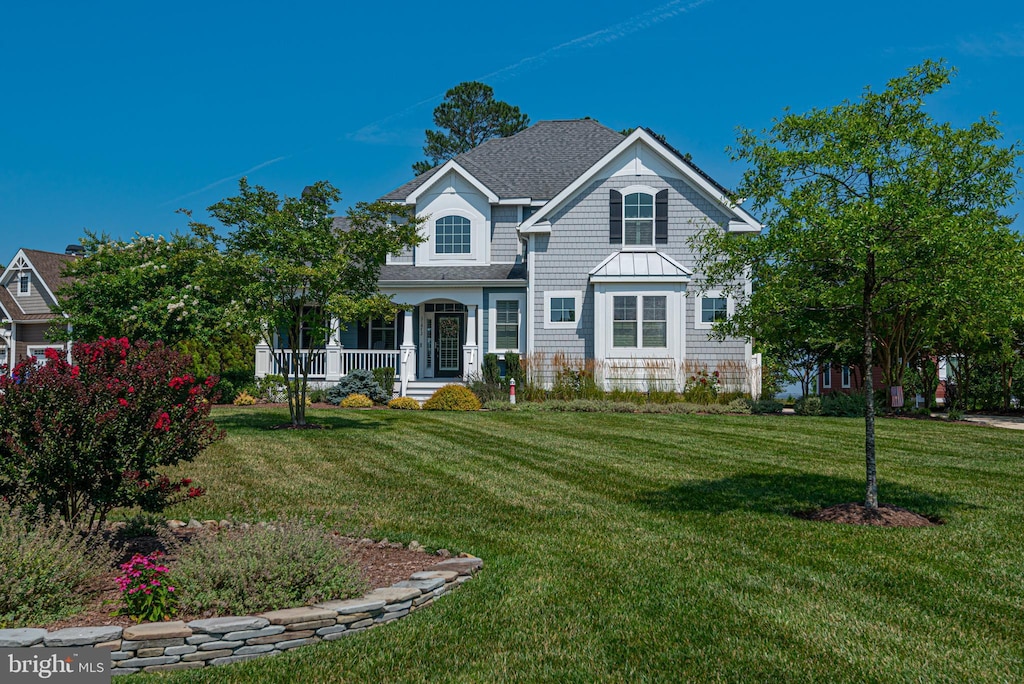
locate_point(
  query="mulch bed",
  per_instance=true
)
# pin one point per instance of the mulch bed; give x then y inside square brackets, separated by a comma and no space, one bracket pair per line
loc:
[381,564]
[886,515]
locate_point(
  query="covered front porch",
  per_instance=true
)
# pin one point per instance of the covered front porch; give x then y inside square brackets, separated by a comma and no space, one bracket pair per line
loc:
[437,339]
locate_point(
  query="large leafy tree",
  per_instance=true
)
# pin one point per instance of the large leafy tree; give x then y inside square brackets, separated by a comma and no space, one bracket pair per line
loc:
[468,116]
[154,288]
[291,269]
[873,208]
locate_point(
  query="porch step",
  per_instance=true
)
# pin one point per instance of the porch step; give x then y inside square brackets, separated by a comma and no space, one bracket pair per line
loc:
[421,390]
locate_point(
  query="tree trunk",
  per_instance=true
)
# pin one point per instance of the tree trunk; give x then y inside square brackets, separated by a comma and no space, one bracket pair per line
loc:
[871,499]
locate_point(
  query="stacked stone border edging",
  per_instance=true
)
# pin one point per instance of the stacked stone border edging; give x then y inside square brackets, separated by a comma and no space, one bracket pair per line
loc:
[159,646]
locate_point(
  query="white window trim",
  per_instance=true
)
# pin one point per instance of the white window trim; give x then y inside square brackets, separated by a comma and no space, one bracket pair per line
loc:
[577,297]
[699,324]
[454,256]
[826,377]
[27,292]
[492,322]
[846,378]
[604,315]
[39,351]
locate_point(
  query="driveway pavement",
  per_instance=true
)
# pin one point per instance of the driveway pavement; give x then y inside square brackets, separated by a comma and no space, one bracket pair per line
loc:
[1007,422]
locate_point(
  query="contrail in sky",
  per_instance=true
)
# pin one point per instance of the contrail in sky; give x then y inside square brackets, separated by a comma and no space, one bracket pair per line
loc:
[374,133]
[225,179]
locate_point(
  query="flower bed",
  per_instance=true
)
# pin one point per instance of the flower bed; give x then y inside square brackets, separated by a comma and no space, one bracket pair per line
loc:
[160,646]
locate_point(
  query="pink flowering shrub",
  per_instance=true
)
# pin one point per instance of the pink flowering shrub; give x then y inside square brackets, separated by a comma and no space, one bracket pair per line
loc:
[146,589]
[81,440]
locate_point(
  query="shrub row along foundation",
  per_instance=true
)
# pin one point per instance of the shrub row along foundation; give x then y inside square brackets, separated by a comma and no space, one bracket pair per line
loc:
[158,646]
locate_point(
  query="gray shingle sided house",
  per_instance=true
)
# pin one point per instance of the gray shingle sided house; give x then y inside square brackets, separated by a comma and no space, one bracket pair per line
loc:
[567,243]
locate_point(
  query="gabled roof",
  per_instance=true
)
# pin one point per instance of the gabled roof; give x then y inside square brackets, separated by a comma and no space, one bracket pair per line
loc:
[740,220]
[631,266]
[533,164]
[48,267]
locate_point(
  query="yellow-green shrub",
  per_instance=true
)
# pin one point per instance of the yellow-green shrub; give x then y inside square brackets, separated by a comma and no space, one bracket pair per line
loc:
[244,399]
[452,398]
[407,403]
[356,401]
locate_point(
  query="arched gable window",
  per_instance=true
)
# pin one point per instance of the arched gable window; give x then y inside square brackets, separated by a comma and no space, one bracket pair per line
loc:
[452,235]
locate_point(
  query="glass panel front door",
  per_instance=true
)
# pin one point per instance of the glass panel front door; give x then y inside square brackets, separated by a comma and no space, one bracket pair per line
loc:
[448,345]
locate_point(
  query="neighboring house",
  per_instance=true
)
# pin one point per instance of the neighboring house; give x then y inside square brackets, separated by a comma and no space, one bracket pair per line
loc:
[836,378]
[27,304]
[568,244]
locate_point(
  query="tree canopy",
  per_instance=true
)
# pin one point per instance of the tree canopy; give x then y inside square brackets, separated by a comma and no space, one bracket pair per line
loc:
[468,116]
[877,216]
[291,270]
[154,288]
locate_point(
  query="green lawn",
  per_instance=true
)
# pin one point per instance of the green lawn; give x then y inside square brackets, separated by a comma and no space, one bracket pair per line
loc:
[650,547]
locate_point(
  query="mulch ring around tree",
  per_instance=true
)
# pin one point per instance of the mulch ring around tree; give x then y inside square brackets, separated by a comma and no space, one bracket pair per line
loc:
[886,515]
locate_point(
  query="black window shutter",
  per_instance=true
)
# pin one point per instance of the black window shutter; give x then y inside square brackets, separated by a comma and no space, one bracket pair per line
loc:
[615,217]
[661,218]
[399,330]
[363,335]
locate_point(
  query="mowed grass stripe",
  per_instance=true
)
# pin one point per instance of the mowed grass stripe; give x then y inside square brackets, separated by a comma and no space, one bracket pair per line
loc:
[651,547]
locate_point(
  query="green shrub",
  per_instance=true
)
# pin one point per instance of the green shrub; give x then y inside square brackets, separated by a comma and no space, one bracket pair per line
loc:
[514,369]
[842,405]
[404,403]
[47,568]
[488,391]
[316,396]
[741,405]
[385,377]
[807,406]
[491,372]
[288,563]
[452,398]
[955,414]
[359,381]
[765,406]
[356,401]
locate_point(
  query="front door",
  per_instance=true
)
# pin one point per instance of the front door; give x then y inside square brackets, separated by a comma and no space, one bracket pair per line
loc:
[448,345]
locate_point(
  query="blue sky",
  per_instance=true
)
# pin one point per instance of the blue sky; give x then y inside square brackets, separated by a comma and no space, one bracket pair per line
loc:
[116,114]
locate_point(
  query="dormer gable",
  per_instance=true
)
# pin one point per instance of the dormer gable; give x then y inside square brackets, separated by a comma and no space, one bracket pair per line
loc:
[642,154]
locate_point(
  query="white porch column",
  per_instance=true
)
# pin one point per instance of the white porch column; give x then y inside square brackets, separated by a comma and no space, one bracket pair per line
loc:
[262,360]
[407,371]
[470,351]
[332,369]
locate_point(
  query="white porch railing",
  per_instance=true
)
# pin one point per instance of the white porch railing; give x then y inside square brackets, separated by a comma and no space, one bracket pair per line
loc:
[284,362]
[368,359]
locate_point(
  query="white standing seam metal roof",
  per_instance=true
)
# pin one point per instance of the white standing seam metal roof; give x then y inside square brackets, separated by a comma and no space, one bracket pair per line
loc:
[640,264]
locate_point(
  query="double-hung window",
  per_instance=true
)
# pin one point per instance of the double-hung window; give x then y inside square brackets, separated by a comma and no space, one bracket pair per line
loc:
[639,321]
[638,219]
[846,377]
[506,324]
[24,282]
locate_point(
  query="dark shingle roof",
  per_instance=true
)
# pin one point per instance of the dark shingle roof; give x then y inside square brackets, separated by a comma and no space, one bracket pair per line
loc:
[449,274]
[50,265]
[537,163]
